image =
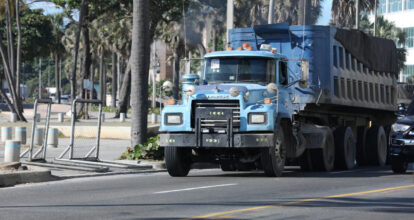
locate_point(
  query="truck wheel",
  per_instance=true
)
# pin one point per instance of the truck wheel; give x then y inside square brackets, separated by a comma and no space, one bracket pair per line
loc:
[399,165]
[305,161]
[362,157]
[345,148]
[324,159]
[377,146]
[228,167]
[177,160]
[273,158]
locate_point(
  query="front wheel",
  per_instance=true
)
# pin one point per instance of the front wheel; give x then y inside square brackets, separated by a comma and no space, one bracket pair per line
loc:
[177,160]
[377,145]
[273,158]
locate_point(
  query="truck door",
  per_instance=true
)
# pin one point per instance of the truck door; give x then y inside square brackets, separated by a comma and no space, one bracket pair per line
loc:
[285,94]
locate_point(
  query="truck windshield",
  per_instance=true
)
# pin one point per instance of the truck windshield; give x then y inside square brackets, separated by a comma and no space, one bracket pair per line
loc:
[240,69]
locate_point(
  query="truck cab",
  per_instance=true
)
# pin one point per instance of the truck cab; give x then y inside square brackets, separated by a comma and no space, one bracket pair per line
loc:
[231,113]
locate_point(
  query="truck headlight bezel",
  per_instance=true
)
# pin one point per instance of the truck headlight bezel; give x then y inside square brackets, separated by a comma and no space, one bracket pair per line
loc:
[400,127]
[173,118]
[257,118]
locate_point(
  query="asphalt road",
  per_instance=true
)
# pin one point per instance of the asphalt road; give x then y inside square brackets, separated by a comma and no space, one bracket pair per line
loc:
[363,193]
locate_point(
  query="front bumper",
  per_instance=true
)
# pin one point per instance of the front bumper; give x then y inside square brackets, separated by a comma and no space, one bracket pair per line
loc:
[402,148]
[238,140]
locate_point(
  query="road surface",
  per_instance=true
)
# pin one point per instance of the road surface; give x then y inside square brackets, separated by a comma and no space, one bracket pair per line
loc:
[363,193]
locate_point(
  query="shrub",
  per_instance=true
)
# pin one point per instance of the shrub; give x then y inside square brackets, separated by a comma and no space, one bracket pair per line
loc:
[149,150]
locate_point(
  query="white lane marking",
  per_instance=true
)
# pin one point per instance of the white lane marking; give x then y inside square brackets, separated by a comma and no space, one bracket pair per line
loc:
[195,188]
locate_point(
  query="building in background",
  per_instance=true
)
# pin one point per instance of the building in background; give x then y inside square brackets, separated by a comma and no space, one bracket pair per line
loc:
[401,12]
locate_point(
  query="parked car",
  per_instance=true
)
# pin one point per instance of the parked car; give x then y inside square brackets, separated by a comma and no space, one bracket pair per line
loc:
[402,139]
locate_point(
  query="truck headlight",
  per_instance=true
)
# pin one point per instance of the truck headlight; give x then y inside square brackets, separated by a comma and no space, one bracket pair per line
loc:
[257,118]
[173,118]
[400,127]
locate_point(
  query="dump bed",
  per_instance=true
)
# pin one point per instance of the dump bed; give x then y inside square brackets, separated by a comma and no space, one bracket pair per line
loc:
[346,68]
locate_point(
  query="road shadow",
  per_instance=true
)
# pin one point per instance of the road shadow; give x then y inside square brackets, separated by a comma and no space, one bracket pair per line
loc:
[294,172]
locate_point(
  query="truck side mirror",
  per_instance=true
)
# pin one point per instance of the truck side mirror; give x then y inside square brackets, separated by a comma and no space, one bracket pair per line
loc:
[304,71]
[272,88]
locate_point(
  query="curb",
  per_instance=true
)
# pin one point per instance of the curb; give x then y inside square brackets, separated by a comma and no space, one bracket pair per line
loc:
[33,175]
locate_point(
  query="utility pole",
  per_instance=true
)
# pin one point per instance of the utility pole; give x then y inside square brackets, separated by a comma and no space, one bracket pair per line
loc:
[271,11]
[375,18]
[230,10]
[357,15]
[40,78]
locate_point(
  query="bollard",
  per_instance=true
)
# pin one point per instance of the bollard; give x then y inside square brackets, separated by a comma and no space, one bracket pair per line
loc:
[6,134]
[154,118]
[103,117]
[20,135]
[61,117]
[122,117]
[37,117]
[52,138]
[38,137]
[12,151]
[13,117]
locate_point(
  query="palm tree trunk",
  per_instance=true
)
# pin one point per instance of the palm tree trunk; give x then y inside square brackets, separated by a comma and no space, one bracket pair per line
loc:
[57,80]
[114,79]
[18,50]
[92,80]
[125,92]
[176,75]
[10,39]
[139,73]
[84,4]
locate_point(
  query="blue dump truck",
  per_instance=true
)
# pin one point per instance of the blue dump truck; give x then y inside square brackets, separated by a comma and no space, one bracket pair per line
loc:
[314,96]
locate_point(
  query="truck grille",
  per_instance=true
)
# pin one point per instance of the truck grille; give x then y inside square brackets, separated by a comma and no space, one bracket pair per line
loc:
[216,125]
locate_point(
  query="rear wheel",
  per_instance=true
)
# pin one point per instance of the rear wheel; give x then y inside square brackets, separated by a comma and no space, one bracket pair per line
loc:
[324,159]
[362,154]
[377,146]
[345,148]
[273,158]
[399,165]
[177,160]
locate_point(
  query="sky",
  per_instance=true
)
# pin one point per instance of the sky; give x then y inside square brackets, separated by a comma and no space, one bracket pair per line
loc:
[326,13]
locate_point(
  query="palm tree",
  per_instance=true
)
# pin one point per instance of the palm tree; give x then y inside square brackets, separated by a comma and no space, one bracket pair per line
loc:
[343,12]
[58,50]
[139,71]
[12,61]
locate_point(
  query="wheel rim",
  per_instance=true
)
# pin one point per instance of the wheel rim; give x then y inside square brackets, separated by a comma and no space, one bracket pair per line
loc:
[279,151]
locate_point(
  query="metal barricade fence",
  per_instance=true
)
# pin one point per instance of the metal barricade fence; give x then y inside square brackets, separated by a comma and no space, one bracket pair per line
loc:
[92,156]
[38,158]
[42,150]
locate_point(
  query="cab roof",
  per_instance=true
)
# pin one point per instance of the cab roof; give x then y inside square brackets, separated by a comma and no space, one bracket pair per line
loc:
[244,53]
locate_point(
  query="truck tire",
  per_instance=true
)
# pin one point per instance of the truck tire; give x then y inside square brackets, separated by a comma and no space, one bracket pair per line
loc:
[273,158]
[305,161]
[324,159]
[345,148]
[377,146]
[362,153]
[398,165]
[177,160]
